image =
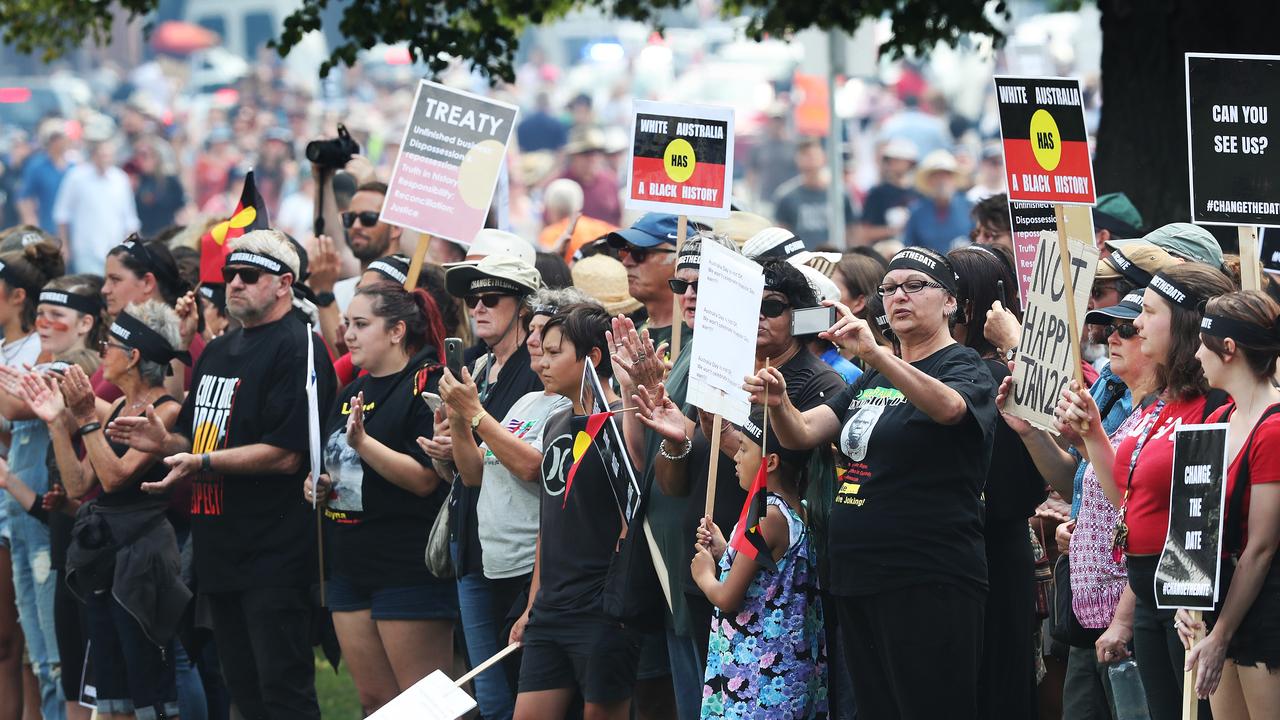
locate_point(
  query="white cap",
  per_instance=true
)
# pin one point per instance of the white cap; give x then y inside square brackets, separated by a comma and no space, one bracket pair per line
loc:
[900,148]
[823,286]
[499,242]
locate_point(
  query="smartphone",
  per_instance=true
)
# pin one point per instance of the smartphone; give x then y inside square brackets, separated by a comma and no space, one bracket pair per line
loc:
[453,356]
[812,320]
[432,400]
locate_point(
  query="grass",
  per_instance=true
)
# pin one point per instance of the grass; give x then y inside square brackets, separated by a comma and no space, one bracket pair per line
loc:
[336,691]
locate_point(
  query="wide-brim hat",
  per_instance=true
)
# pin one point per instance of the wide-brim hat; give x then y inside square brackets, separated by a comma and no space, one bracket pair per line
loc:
[495,273]
[584,140]
[605,279]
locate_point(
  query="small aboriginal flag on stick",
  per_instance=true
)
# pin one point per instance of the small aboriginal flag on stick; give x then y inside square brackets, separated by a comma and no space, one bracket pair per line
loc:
[250,214]
[746,537]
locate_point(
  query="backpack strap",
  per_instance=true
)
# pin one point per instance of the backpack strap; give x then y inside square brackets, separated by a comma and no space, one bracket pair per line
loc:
[1233,528]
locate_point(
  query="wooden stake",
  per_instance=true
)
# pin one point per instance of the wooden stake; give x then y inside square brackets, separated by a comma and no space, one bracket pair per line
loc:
[1249,277]
[1190,703]
[1064,253]
[415,266]
[677,319]
[497,658]
[714,465]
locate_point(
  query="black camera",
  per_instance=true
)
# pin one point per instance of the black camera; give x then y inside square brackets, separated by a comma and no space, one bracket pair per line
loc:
[333,153]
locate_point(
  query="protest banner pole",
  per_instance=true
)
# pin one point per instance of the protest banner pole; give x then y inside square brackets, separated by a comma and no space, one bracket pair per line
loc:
[1190,703]
[320,548]
[713,465]
[1064,253]
[1249,277]
[497,658]
[682,230]
[419,255]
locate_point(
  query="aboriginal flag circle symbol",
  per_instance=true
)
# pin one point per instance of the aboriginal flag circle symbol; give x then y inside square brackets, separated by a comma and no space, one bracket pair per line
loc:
[678,160]
[1046,141]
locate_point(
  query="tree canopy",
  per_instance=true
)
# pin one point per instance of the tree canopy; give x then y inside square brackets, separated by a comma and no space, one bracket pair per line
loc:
[486,33]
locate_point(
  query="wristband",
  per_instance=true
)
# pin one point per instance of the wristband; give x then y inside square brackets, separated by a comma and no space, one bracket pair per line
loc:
[206,463]
[88,428]
[688,448]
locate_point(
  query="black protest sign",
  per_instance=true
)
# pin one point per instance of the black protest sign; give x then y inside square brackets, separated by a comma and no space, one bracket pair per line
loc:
[1232,147]
[1187,576]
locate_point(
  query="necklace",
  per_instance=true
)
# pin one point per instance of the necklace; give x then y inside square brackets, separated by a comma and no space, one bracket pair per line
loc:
[139,404]
[7,357]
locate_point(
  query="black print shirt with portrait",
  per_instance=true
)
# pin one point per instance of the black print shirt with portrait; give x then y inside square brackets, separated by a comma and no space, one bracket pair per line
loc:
[377,530]
[908,505]
[249,387]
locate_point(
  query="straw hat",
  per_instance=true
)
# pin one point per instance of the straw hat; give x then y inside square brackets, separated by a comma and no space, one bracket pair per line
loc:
[605,279]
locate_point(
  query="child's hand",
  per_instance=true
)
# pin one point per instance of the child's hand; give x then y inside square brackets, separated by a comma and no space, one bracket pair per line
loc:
[710,537]
[703,566]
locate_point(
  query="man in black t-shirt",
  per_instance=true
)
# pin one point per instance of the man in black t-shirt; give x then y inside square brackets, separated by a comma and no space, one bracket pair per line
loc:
[241,441]
[571,644]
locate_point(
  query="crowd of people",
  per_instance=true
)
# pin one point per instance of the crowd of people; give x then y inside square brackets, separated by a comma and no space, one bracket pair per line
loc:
[889,548]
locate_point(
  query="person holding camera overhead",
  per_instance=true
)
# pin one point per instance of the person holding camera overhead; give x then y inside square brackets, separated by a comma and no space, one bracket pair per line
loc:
[910,583]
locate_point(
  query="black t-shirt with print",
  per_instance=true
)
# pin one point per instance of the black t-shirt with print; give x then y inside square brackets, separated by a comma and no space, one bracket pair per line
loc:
[377,529]
[579,534]
[249,387]
[908,508]
[515,380]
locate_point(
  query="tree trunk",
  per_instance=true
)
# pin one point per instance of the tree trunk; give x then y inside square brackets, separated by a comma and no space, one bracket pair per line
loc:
[1142,133]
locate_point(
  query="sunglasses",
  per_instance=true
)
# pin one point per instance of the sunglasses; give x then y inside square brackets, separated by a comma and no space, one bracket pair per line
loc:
[367,218]
[1126,331]
[1099,289]
[247,274]
[639,254]
[772,307]
[490,300]
[679,286]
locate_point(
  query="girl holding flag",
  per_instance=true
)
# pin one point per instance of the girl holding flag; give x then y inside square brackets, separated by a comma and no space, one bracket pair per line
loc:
[767,657]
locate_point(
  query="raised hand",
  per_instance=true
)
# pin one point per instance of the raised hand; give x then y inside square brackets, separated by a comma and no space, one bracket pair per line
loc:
[355,422]
[188,311]
[145,433]
[78,392]
[634,353]
[323,265]
[770,378]
[850,333]
[461,395]
[658,413]
[42,396]
[1002,328]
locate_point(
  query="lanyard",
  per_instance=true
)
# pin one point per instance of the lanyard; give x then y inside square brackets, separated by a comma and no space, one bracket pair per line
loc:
[1120,536]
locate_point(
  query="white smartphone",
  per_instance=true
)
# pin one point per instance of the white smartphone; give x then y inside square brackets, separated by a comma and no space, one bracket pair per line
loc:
[432,400]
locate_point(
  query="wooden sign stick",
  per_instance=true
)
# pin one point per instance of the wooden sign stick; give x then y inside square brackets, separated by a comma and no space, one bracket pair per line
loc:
[497,658]
[1190,703]
[1249,277]
[682,230]
[415,265]
[713,466]
[1064,253]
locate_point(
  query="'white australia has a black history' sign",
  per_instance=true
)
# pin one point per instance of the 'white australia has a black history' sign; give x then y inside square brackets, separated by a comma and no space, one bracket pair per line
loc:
[1187,576]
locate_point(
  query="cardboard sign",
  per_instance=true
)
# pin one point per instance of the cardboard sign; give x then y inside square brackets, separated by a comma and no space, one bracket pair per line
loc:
[1045,361]
[1046,148]
[453,150]
[729,291]
[1188,573]
[681,159]
[1027,221]
[434,697]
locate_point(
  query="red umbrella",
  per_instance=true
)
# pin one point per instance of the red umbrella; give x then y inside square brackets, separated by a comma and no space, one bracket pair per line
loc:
[182,38]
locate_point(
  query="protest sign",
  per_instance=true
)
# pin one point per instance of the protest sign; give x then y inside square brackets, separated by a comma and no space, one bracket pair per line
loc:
[729,291]
[434,697]
[1235,173]
[1027,221]
[681,159]
[1047,360]
[452,153]
[1046,148]
[1188,573]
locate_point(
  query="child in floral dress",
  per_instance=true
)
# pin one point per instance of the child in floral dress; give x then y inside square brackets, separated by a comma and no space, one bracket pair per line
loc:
[767,656]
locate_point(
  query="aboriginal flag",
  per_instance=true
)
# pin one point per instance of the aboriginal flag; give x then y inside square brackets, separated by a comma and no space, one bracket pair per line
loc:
[582,441]
[746,537]
[679,160]
[1046,147]
[250,214]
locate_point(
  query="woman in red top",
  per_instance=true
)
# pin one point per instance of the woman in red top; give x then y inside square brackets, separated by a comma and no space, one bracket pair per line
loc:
[1136,475]
[1236,663]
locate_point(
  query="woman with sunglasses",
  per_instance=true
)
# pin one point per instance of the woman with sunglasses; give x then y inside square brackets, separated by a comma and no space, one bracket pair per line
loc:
[1135,475]
[915,435]
[1237,663]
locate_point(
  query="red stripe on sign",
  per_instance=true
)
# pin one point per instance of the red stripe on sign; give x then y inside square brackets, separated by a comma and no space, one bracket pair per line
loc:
[1070,182]
[649,181]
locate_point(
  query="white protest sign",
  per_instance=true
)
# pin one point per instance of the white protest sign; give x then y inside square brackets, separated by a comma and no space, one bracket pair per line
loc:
[434,697]
[1045,361]
[729,291]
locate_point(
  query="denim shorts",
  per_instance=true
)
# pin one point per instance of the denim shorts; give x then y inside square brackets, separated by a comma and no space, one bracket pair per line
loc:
[427,601]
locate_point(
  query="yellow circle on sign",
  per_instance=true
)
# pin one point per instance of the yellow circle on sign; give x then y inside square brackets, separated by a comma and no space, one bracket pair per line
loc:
[1046,142]
[678,160]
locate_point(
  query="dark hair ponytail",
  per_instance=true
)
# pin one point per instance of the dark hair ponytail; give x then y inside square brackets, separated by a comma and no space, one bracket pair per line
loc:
[30,268]
[422,323]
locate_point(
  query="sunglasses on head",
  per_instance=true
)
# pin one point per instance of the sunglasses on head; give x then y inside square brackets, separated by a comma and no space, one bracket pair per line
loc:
[679,286]
[490,300]
[773,307]
[1125,330]
[639,254]
[249,275]
[367,218]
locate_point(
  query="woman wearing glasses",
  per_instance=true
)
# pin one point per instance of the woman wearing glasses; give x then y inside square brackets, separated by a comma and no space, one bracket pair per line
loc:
[908,571]
[1135,475]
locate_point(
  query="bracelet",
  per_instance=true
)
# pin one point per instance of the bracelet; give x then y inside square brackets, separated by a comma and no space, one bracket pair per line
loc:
[88,428]
[688,448]
[206,463]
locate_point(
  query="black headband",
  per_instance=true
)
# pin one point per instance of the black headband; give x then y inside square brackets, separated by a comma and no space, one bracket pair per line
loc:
[1239,330]
[150,344]
[135,247]
[1174,293]
[260,260]
[753,430]
[1129,269]
[929,263]
[215,293]
[394,267]
[87,304]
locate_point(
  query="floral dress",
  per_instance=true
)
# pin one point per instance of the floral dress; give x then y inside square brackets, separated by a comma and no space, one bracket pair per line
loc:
[769,660]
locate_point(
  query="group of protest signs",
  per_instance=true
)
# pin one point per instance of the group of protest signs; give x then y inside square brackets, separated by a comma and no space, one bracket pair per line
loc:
[681,162]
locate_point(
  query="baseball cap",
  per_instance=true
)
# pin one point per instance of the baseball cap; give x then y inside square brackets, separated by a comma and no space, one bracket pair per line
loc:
[1128,308]
[502,273]
[1117,214]
[1189,242]
[900,148]
[498,242]
[652,230]
[1135,262]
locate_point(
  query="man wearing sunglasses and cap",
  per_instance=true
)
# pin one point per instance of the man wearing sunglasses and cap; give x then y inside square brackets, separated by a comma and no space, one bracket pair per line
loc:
[241,441]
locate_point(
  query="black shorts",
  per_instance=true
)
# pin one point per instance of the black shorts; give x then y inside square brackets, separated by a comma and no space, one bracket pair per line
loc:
[1257,640]
[586,651]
